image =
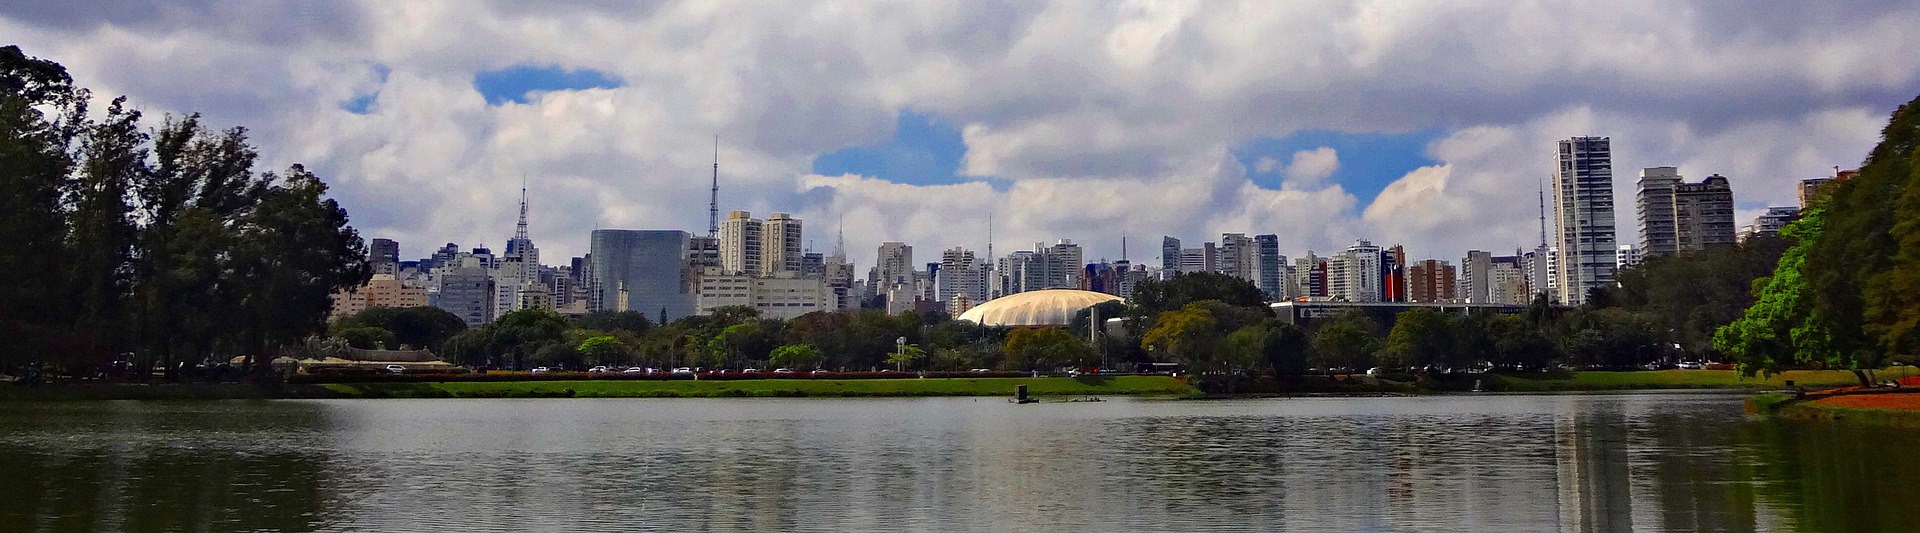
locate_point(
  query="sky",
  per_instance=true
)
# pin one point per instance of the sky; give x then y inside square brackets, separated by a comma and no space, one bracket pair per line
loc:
[1426,124]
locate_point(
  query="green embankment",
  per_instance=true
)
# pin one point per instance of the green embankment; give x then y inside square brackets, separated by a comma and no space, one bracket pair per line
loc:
[1786,407]
[1672,379]
[1118,385]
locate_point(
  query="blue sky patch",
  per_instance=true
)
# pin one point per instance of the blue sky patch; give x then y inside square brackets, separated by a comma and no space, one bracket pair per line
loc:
[924,150]
[360,105]
[1368,161]
[516,83]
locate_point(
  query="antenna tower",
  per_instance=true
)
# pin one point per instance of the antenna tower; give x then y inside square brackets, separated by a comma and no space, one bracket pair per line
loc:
[713,204]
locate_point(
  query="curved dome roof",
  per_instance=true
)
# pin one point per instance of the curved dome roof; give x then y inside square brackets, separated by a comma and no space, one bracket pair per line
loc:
[1050,307]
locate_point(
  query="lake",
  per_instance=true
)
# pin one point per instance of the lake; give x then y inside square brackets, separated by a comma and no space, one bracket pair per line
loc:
[1598,462]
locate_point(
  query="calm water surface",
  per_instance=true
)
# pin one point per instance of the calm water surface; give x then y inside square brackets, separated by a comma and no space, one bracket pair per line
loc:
[1641,462]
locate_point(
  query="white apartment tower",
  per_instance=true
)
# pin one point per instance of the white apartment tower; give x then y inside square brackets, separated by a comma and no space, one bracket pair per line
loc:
[740,243]
[780,249]
[1583,216]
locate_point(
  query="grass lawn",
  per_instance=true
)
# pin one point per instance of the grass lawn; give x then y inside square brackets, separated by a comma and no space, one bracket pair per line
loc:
[1679,379]
[1118,385]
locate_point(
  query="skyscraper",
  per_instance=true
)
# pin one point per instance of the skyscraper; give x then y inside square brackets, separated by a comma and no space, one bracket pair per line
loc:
[649,266]
[740,243]
[1270,267]
[1583,216]
[1169,254]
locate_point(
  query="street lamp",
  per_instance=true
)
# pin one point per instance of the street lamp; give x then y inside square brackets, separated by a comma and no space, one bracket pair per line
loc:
[900,353]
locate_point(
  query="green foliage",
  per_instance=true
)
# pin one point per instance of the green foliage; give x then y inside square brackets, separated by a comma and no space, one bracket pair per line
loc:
[1422,337]
[633,322]
[1270,345]
[1684,298]
[802,356]
[1029,349]
[602,349]
[1347,341]
[167,245]
[367,338]
[415,327]
[518,335]
[906,356]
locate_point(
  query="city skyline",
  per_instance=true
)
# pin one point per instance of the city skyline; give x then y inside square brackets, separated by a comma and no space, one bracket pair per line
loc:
[1320,124]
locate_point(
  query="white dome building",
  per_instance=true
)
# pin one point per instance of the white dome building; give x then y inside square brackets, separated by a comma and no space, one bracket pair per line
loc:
[1042,308]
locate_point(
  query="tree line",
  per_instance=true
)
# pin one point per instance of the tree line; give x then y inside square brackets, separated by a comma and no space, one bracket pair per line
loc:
[1846,294]
[134,247]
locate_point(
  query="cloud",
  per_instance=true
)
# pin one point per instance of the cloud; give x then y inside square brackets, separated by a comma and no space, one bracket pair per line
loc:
[1266,165]
[1311,166]
[1091,121]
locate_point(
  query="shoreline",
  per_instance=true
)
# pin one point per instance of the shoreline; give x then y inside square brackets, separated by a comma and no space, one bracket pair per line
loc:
[1127,385]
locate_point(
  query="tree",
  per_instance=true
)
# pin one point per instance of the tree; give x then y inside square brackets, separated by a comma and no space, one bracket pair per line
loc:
[633,322]
[416,327]
[1421,337]
[518,335]
[367,338]
[1035,348]
[1190,334]
[1274,345]
[602,349]
[795,356]
[297,250]
[1346,341]
[41,112]
[905,356]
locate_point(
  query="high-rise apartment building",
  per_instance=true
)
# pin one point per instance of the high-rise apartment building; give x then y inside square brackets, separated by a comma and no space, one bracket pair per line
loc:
[1237,256]
[1393,274]
[1475,285]
[1626,257]
[1653,206]
[1430,281]
[1507,280]
[1584,216]
[741,240]
[893,268]
[1678,217]
[1768,224]
[1703,214]
[383,255]
[1206,258]
[1358,273]
[961,275]
[643,270]
[780,245]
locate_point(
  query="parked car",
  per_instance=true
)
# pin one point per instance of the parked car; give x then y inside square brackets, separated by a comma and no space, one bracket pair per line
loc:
[1375,371]
[783,371]
[1689,365]
[981,370]
[637,370]
[683,371]
[750,371]
[396,369]
[597,369]
[539,370]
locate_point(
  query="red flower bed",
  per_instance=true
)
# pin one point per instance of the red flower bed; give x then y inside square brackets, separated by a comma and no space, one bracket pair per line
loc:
[1909,401]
